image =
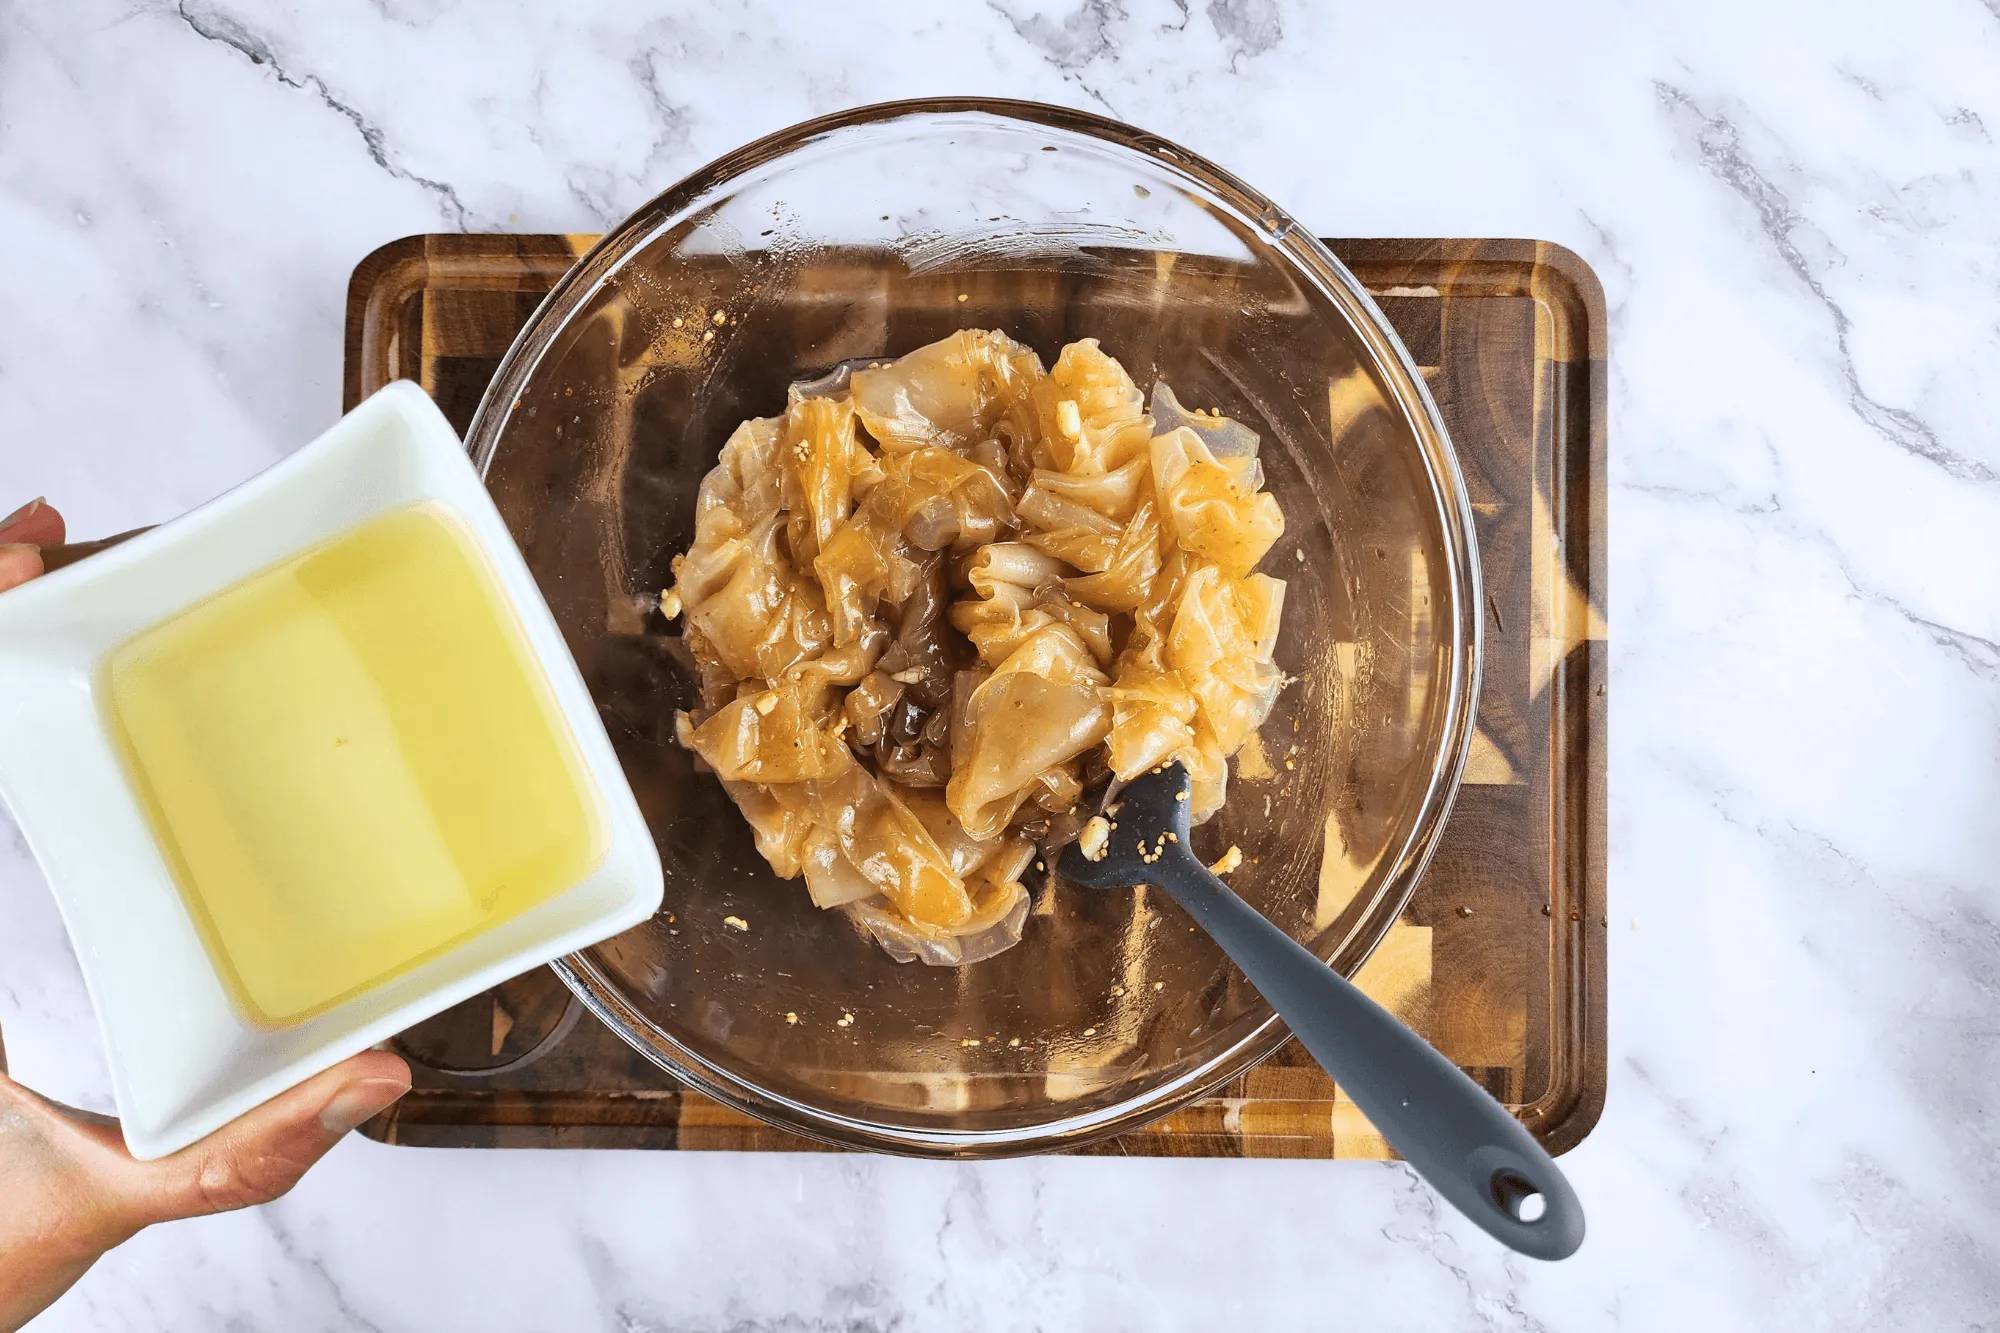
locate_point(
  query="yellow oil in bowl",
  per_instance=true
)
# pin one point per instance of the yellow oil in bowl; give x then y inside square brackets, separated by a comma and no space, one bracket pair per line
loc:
[352,762]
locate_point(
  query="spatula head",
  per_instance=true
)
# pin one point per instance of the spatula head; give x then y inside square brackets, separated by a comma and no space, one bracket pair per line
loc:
[1148,821]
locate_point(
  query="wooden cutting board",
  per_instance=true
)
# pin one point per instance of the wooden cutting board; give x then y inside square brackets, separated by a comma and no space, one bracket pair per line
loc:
[1500,958]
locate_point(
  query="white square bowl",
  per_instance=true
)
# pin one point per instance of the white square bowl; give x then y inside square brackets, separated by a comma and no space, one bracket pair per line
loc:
[183,1062]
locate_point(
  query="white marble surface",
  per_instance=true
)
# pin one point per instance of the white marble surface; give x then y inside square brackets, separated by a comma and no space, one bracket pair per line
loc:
[1795,208]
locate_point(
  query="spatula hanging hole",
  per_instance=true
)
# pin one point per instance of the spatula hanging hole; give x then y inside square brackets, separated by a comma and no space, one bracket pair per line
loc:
[1520,1199]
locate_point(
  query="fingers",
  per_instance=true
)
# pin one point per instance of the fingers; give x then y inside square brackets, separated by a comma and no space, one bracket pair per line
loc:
[22,532]
[69,1191]
[261,1155]
[18,564]
[35,523]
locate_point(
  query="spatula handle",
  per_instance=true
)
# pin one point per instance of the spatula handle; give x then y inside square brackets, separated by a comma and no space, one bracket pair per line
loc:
[1446,1126]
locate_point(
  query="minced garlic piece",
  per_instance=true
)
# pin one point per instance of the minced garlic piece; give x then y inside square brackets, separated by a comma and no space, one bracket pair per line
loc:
[1095,838]
[1069,418]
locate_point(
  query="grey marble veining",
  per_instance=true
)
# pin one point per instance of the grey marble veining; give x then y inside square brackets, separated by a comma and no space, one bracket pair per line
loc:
[1795,209]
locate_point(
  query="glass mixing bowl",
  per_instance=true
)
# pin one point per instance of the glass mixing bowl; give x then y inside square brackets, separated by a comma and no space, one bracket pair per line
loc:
[868,234]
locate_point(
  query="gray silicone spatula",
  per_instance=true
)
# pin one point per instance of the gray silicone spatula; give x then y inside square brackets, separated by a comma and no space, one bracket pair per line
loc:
[1446,1126]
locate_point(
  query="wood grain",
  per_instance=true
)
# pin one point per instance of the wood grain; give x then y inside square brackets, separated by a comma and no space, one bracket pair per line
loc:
[1500,958]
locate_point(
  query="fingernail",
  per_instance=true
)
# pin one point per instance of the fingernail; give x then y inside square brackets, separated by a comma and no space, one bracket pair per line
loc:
[23,512]
[358,1101]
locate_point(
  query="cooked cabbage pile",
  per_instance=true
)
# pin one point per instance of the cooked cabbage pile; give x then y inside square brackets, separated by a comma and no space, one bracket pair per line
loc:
[939,598]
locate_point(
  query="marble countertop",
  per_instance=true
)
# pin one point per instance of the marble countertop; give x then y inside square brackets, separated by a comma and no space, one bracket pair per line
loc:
[1795,210]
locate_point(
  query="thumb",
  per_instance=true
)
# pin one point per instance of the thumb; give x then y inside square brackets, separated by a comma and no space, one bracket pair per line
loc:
[262,1154]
